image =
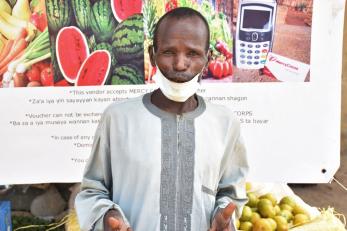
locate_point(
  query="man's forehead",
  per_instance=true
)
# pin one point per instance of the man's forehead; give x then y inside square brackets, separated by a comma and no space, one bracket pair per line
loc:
[169,23]
[187,27]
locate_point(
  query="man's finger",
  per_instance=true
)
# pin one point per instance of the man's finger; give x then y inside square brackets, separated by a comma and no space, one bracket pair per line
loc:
[228,211]
[114,223]
[129,229]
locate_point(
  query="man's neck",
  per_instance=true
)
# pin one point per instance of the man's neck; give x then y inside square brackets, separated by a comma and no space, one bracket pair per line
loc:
[165,104]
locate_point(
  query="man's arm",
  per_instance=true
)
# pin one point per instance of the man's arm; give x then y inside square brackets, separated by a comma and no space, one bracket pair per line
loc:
[231,187]
[94,199]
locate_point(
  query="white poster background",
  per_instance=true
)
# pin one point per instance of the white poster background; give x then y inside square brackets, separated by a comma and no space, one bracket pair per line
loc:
[298,140]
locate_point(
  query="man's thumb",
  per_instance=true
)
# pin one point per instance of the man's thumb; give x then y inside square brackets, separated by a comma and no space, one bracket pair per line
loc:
[114,223]
[228,211]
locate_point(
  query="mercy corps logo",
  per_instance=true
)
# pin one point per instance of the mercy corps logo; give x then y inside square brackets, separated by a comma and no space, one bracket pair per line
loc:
[275,59]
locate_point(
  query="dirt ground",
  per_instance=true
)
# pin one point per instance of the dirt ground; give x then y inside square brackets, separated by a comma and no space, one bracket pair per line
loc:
[324,195]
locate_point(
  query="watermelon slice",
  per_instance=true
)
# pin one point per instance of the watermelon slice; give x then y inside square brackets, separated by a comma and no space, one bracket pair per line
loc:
[95,69]
[122,9]
[72,50]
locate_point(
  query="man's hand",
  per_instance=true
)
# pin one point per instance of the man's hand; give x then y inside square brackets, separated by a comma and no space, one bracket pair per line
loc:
[221,221]
[113,221]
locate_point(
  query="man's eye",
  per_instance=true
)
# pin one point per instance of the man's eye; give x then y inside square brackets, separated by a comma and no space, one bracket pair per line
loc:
[193,53]
[168,52]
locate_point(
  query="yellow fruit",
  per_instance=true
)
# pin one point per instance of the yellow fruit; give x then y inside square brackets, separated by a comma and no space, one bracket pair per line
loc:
[254,209]
[237,223]
[282,224]
[255,216]
[246,226]
[286,214]
[298,209]
[262,202]
[277,209]
[262,225]
[289,201]
[271,197]
[286,207]
[248,186]
[252,200]
[246,214]
[272,222]
[266,210]
[300,219]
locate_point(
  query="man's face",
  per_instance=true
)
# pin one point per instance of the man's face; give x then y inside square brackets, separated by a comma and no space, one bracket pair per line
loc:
[181,48]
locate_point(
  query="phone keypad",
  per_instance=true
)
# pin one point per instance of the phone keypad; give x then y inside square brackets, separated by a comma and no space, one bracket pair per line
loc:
[252,55]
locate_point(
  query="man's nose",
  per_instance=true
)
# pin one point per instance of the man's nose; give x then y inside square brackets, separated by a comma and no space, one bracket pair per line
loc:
[181,63]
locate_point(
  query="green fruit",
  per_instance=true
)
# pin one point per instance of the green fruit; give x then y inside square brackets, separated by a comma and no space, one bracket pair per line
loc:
[277,209]
[264,201]
[91,42]
[246,214]
[252,200]
[300,219]
[267,211]
[286,207]
[237,223]
[255,209]
[255,216]
[265,208]
[82,9]
[286,214]
[59,14]
[128,38]
[108,47]
[282,224]
[288,200]
[262,225]
[272,222]
[246,226]
[126,74]
[298,209]
[102,21]
[271,197]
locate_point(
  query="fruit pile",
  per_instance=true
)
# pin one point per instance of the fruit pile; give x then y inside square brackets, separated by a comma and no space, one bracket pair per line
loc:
[221,64]
[24,44]
[97,30]
[265,213]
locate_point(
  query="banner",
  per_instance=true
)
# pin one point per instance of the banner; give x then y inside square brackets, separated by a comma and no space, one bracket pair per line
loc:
[69,59]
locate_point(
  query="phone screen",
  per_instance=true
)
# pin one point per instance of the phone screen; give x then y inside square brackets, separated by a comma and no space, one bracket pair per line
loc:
[256,19]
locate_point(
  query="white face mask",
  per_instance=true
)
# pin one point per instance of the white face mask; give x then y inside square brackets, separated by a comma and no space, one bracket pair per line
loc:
[178,92]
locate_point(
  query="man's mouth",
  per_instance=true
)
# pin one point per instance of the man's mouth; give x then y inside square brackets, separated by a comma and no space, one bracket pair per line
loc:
[179,77]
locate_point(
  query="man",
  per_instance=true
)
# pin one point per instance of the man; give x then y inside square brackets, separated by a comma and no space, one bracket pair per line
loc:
[168,160]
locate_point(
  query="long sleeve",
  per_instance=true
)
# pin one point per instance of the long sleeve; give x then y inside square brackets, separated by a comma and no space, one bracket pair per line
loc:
[94,199]
[231,187]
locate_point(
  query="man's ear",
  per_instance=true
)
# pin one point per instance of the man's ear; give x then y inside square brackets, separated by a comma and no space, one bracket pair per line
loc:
[151,55]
